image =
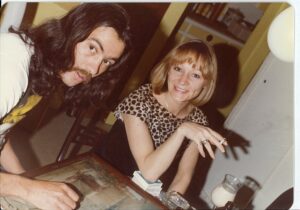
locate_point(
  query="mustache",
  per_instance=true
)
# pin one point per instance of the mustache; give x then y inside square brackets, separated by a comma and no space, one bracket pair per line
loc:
[83,72]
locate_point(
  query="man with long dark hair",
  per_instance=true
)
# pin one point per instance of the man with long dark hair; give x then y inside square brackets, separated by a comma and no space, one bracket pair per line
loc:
[91,40]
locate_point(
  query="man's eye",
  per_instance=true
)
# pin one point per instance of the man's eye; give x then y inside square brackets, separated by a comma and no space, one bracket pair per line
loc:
[92,48]
[108,62]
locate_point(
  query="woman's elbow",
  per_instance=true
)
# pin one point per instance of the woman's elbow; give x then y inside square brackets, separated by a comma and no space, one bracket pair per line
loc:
[149,175]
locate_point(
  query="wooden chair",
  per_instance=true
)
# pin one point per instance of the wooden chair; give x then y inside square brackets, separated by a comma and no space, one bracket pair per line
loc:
[82,132]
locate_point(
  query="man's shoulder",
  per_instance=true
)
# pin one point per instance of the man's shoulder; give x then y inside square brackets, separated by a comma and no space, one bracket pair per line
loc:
[14,62]
[13,47]
[11,40]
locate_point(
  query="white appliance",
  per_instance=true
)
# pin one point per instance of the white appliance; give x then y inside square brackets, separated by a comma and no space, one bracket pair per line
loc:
[264,117]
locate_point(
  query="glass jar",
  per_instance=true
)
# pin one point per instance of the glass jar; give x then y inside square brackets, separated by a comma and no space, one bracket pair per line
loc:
[225,191]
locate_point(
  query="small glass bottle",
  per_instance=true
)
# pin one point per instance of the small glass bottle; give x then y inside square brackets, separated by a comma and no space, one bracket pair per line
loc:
[246,193]
[225,191]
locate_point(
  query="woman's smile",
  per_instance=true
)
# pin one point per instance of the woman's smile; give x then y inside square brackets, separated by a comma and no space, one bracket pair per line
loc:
[184,82]
[180,90]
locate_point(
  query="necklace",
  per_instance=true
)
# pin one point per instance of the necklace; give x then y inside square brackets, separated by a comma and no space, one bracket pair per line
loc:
[165,102]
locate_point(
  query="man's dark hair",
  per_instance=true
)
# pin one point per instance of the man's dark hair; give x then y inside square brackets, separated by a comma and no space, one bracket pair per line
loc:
[54,43]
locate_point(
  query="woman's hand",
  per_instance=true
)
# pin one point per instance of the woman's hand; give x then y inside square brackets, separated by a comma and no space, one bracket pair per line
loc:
[203,136]
[50,195]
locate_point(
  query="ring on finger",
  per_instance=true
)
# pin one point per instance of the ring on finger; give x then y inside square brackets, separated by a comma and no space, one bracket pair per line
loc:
[204,141]
[223,141]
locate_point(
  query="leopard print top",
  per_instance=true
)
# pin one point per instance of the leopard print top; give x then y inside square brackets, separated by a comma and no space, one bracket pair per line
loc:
[161,123]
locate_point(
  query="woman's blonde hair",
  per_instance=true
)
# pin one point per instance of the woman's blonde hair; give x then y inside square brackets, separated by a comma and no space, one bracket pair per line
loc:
[197,52]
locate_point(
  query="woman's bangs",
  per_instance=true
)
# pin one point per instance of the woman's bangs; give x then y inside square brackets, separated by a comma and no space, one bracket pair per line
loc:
[183,56]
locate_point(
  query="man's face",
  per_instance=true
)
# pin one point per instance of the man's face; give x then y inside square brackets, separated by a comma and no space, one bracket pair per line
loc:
[94,55]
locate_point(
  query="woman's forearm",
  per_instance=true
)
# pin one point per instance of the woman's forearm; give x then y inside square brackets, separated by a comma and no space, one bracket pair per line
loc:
[180,184]
[157,162]
[151,162]
[185,170]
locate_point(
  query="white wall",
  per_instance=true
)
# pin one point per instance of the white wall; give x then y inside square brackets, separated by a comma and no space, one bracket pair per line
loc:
[264,117]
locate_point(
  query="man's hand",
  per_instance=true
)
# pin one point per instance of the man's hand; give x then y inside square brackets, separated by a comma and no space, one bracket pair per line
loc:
[43,194]
[50,195]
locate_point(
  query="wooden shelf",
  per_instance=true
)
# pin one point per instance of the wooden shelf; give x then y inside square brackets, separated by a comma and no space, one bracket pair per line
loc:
[215,25]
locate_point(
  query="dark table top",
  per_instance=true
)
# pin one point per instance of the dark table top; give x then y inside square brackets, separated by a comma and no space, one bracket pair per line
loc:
[101,186]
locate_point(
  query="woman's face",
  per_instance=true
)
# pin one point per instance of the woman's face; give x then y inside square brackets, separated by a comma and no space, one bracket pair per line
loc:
[94,55]
[185,81]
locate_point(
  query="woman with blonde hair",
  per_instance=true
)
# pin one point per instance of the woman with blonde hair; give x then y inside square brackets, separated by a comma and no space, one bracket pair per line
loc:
[163,121]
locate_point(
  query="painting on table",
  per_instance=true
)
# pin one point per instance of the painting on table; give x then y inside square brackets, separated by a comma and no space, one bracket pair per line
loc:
[99,188]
